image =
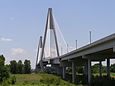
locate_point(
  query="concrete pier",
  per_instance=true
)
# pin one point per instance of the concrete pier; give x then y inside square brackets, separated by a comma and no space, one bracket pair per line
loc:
[73,72]
[64,70]
[108,67]
[100,68]
[89,72]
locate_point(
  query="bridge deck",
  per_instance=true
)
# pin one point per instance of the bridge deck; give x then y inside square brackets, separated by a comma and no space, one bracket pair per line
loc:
[103,45]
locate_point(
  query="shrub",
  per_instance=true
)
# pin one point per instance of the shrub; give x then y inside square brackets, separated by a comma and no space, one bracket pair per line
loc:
[4,73]
[13,80]
[5,83]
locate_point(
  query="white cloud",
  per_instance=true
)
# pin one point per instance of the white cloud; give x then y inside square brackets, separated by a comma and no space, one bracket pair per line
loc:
[17,51]
[5,39]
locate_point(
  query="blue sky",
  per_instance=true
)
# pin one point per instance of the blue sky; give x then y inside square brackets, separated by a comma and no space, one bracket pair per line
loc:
[23,21]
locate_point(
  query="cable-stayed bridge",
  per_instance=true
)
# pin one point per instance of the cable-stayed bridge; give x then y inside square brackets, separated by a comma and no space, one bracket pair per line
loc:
[52,45]
[53,50]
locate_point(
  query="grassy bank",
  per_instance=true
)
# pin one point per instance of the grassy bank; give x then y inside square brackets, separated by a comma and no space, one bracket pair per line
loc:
[40,80]
[43,79]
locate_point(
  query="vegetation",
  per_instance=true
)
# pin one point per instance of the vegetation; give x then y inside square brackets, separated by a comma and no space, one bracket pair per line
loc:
[4,73]
[95,68]
[19,67]
[113,68]
[27,67]
[21,75]
[13,67]
[41,79]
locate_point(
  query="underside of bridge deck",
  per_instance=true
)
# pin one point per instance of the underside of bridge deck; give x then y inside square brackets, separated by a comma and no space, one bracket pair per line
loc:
[86,61]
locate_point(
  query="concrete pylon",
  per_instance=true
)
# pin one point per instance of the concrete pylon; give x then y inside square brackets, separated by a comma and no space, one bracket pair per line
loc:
[49,25]
[100,68]
[38,51]
[64,70]
[89,72]
[108,67]
[86,68]
[73,72]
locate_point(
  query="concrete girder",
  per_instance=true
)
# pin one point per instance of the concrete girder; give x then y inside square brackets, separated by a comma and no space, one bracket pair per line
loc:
[93,58]
[98,57]
[114,49]
[65,64]
[100,47]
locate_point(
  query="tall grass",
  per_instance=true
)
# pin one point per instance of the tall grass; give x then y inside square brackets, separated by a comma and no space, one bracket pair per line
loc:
[40,79]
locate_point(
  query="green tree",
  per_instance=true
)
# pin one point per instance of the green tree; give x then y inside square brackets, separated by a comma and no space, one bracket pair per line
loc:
[20,67]
[79,69]
[8,67]
[104,69]
[4,73]
[112,68]
[95,68]
[13,67]
[2,60]
[27,67]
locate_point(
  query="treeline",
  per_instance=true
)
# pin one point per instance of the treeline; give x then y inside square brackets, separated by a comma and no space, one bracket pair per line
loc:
[19,67]
[15,68]
[95,68]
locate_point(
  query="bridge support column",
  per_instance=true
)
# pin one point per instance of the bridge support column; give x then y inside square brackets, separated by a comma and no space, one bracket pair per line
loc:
[64,70]
[89,72]
[86,68]
[42,66]
[100,68]
[73,72]
[108,67]
[59,70]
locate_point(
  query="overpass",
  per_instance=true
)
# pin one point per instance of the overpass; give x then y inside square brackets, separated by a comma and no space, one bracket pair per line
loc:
[99,51]
[96,51]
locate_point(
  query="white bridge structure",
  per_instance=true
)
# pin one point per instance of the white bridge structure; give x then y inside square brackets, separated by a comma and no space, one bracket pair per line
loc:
[98,51]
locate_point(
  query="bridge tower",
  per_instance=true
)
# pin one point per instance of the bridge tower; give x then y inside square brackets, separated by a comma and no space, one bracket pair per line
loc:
[50,26]
[38,52]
